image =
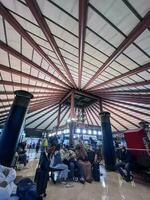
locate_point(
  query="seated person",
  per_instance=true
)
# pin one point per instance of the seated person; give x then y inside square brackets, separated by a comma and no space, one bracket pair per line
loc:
[56,163]
[82,159]
[7,186]
[68,158]
[125,164]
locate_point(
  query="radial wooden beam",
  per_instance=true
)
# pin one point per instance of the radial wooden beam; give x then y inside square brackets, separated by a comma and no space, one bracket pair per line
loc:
[54,118]
[42,115]
[126,113]
[128,104]
[15,24]
[90,119]
[130,109]
[120,116]
[83,9]
[72,108]
[91,112]
[64,116]
[130,99]
[34,7]
[44,101]
[140,27]
[47,118]
[95,109]
[41,110]
[28,86]
[86,94]
[21,57]
[65,97]
[143,97]
[127,92]
[40,106]
[142,83]
[122,76]
[58,118]
[22,74]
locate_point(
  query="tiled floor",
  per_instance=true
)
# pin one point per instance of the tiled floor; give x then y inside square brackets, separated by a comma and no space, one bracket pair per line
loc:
[111,187]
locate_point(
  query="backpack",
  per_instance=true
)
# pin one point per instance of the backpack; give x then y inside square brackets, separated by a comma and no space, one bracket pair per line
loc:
[26,190]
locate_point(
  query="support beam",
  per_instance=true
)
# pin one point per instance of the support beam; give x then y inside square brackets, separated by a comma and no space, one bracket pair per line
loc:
[127,92]
[90,120]
[14,23]
[58,118]
[66,96]
[21,57]
[121,93]
[120,116]
[64,116]
[54,118]
[42,115]
[127,108]
[131,99]
[122,76]
[43,102]
[126,113]
[22,74]
[42,110]
[91,112]
[95,106]
[35,10]
[28,86]
[86,94]
[72,110]
[47,118]
[43,106]
[140,27]
[142,83]
[129,104]
[83,9]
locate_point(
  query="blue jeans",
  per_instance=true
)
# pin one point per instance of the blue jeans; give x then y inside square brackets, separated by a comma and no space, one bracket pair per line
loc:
[64,173]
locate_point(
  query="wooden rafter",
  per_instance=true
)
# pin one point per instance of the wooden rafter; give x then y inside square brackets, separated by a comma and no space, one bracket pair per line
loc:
[140,27]
[83,9]
[122,76]
[21,57]
[9,17]
[34,7]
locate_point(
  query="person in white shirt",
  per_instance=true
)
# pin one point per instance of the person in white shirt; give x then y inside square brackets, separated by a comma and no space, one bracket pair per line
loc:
[7,186]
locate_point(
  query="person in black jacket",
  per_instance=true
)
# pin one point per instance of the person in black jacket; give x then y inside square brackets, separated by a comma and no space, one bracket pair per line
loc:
[43,174]
[125,164]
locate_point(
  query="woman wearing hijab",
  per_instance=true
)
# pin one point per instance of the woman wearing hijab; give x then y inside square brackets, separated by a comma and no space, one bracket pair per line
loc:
[82,159]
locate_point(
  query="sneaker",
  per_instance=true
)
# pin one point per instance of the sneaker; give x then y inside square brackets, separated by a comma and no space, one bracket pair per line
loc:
[82,180]
[68,185]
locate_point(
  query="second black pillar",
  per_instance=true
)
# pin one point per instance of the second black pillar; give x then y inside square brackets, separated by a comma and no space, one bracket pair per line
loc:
[108,146]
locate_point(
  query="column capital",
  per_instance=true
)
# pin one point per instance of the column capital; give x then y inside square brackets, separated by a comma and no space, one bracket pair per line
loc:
[104,114]
[22,93]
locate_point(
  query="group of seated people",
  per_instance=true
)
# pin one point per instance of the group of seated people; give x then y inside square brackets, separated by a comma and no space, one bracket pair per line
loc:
[73,164]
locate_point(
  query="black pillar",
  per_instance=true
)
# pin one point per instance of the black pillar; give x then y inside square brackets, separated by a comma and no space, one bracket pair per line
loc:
[72,127]
[10,136]
[108,146]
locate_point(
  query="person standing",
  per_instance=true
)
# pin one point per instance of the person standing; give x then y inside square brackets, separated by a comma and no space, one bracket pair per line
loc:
[42,175]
